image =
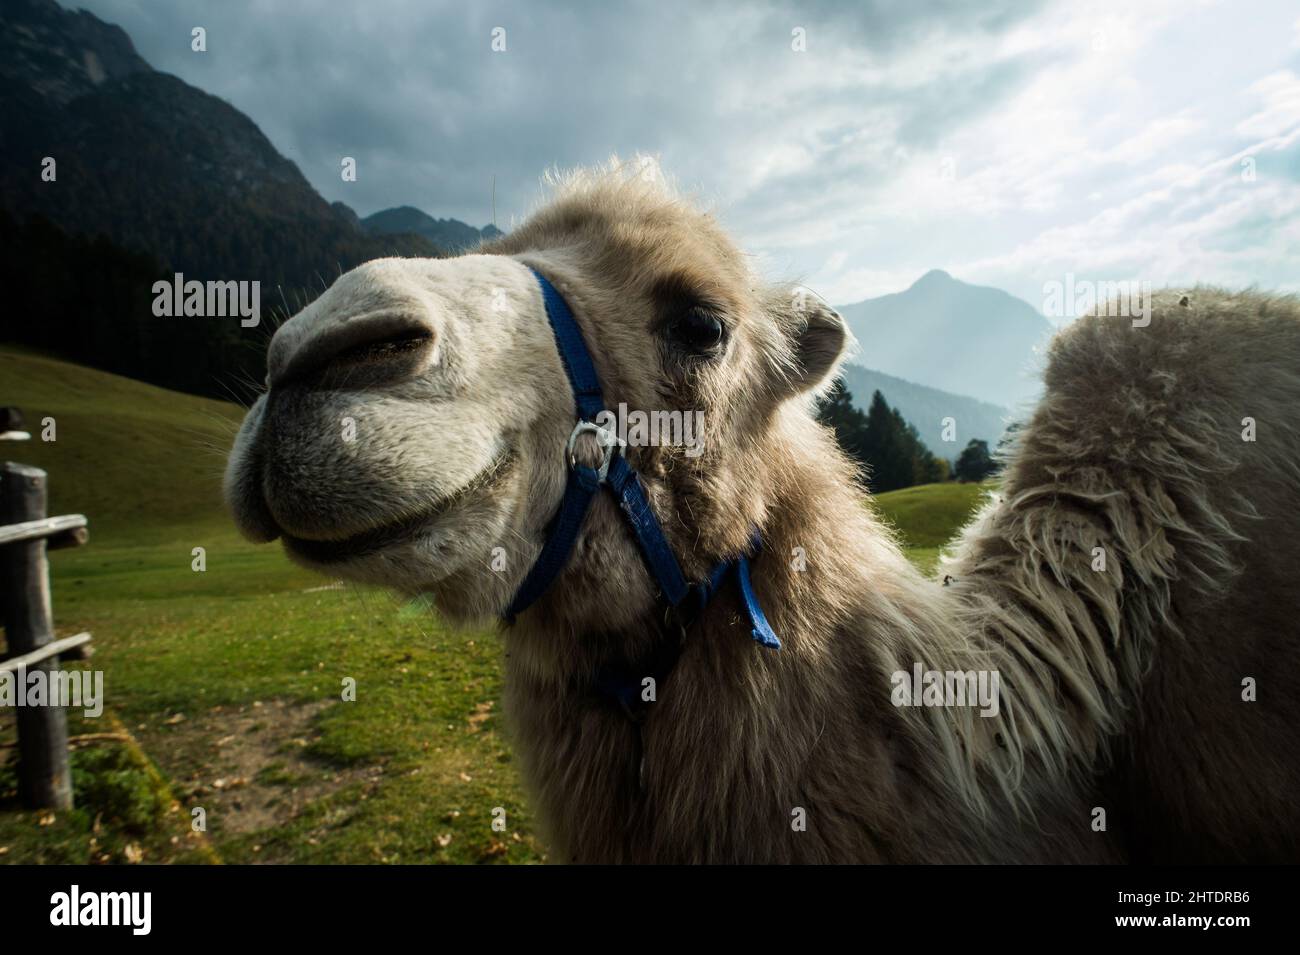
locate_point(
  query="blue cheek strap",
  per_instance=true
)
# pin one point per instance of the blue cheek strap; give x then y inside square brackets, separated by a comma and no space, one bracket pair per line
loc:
[687,600]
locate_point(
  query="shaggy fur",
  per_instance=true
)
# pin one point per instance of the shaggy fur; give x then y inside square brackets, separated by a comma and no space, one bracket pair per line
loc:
[1121,689]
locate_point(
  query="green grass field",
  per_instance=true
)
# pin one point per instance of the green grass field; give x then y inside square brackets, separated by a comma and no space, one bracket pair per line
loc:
[928,515]
[226,685]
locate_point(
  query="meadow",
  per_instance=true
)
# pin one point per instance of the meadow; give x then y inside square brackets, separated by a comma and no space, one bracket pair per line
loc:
[224,685]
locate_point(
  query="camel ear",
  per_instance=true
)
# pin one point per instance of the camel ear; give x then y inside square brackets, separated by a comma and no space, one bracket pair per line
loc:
[819,340]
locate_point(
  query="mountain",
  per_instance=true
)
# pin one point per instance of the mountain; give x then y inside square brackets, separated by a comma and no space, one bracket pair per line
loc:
[450,234]
[151,176]
[926,408]
[156,165]
[128,454]
[965,339]
[60,54]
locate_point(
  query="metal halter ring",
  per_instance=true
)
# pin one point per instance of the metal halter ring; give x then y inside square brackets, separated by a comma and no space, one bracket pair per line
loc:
[609,443]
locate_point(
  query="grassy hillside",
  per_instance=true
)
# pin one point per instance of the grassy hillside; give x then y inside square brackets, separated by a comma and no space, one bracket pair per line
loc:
[226,684]
[928,515]
[228,681]
[139,461]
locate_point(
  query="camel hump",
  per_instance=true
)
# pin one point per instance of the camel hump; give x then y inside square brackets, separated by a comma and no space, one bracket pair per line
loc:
[1172,434]
[1180,379]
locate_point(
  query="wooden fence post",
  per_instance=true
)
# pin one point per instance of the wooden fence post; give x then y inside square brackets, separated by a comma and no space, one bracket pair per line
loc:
[45,778]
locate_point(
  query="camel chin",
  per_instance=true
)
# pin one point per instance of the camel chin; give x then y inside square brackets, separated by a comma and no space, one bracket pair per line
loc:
[417,553]
[410,546]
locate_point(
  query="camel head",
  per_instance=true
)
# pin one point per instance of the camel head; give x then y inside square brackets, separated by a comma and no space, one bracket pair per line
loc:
[413,431]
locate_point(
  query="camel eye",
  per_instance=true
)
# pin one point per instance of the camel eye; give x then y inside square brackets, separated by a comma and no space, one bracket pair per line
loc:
[697,329]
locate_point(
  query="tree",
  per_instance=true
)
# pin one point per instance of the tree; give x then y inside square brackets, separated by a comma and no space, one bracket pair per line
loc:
[887,448]
[849,423]
[975,462]
[1008,442]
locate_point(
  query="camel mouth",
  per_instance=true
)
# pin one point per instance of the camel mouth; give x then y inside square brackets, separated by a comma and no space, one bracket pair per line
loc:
[404,529]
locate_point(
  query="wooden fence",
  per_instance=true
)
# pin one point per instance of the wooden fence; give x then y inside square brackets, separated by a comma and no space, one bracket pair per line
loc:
[26,534]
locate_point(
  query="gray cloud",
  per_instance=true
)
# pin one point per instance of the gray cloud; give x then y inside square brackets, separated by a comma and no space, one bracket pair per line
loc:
[1061,119]
[413,90]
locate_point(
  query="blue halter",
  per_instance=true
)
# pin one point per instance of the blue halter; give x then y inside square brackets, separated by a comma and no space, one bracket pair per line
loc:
[685,599]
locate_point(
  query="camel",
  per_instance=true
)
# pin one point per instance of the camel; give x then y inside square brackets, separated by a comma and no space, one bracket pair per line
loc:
[1129,584]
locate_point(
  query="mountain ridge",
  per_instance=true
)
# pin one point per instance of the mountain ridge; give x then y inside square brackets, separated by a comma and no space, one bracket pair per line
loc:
[118,174]
[450,234]
[157,165]
[927,408]
[954,336]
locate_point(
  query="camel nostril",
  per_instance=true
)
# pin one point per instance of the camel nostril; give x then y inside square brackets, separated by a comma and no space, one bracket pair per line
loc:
[395,346]
[369,349]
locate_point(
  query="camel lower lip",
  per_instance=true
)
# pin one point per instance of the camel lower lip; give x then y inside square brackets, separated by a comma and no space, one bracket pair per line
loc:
[358,545]
[395,532]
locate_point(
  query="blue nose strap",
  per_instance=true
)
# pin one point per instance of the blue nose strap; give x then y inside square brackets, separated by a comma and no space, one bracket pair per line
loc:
[616,474]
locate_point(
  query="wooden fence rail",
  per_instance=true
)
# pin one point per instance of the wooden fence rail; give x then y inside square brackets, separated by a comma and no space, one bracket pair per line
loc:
[66,647]
[45,779]
[68,531]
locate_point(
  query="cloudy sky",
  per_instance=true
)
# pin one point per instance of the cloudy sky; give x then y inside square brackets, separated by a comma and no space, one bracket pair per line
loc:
[1007,141]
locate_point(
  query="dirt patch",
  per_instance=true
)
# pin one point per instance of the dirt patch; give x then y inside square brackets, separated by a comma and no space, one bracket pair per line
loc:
[248,767]
[480,716]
